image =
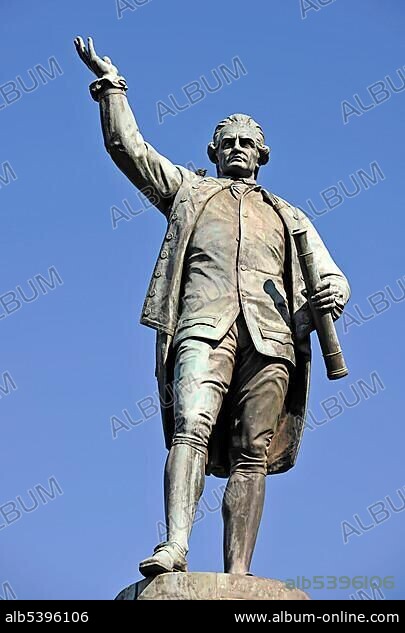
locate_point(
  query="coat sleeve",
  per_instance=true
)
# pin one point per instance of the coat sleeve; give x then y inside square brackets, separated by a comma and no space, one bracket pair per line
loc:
[328,269]
[151,172]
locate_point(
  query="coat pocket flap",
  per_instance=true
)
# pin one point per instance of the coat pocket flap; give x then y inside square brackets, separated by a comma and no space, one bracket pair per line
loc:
[282,337]
[199,320]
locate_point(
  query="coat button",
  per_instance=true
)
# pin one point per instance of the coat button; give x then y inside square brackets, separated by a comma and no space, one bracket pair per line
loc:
[163,254]
[146,311]
[152,293]
[169,236]
[243,267]
[174,216]
[158,273]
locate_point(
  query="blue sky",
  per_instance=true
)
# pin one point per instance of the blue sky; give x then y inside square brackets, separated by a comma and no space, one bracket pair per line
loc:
[76,355]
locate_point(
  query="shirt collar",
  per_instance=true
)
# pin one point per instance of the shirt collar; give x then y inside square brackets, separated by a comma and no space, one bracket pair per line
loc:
[247,181]
[227,182]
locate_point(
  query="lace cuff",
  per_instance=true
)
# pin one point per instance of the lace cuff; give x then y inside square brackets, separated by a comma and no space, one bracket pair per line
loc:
[99,87]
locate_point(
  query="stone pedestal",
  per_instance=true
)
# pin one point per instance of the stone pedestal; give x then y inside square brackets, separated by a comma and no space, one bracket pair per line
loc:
[209,586]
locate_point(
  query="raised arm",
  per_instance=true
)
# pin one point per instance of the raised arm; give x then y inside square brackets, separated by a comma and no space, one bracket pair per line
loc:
[153,174]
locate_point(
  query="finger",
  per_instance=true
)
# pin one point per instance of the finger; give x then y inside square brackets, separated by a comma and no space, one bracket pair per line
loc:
[81,49]
[92,52]
[80,44]
[325,305]
[323,302]
[323,293]
[322,299]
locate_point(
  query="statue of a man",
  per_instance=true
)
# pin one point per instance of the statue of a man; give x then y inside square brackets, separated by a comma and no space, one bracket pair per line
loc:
[244,349]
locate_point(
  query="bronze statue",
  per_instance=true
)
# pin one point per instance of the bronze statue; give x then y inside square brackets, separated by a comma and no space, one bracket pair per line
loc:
[247,346]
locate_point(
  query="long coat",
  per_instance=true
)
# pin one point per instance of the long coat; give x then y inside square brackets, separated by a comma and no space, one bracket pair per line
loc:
[160,311]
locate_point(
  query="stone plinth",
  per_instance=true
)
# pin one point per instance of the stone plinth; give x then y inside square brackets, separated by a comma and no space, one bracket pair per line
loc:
[209,586]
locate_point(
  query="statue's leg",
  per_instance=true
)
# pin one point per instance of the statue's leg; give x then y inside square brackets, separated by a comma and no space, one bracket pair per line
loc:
[203,371]
[241,510]
[258,398]
[183,486]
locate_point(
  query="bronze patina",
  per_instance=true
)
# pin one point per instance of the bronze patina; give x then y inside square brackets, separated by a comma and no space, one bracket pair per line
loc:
[228,302]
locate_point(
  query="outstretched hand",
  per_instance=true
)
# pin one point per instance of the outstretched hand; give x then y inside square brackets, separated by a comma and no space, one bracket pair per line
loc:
[101,67]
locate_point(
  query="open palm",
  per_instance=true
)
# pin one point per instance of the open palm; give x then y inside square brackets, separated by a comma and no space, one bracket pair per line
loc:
[100,66]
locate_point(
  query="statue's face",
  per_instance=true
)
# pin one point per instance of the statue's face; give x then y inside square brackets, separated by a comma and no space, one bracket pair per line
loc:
[237,153]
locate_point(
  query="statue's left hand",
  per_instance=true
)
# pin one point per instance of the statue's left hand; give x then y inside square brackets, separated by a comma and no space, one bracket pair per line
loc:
[328,297]
[101,67]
